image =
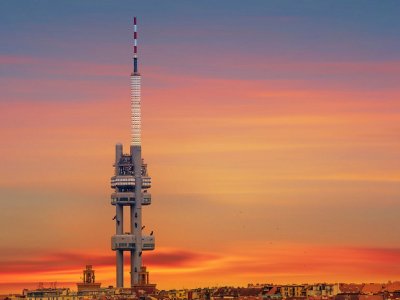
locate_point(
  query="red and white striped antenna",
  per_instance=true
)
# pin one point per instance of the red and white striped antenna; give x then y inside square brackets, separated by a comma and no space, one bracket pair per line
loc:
[135,56]
[134,37]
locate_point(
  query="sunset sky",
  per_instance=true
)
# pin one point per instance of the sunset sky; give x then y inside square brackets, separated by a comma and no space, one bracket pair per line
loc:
[271,130]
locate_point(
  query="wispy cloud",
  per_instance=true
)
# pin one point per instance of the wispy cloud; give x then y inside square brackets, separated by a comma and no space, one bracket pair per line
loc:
[278,261]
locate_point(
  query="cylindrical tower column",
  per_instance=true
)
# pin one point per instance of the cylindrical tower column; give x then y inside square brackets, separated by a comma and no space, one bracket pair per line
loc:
[119,222]
[120,268]
[118,155]
[136,216]
[119,219]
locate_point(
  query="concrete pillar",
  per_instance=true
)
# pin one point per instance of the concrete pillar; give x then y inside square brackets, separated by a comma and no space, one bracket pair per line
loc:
[118,155]
[119,220]
[133,265]
[136,215]
[136,229]
[120,268]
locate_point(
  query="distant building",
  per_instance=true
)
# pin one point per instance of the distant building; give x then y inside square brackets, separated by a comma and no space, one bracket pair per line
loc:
[50,294]
[88,286]
[271,292]
[251,293]
[225,293]
[293,291]
[349,291]
[372,289]
[322,290]
[392,290]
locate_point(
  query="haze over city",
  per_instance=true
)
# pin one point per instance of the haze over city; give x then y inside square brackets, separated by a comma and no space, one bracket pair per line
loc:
[271,130]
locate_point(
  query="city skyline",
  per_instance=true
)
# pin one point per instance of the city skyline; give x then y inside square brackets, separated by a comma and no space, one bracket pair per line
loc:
[271,131]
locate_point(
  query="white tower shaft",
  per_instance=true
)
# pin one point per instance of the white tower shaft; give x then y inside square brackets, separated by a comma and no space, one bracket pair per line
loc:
[136,118]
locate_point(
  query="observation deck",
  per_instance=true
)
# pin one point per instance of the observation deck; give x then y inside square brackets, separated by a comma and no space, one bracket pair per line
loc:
[128,198]
[128,242]
[122,181]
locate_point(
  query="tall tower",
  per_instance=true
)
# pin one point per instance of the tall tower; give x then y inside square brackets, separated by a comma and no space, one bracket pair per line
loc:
[131,182]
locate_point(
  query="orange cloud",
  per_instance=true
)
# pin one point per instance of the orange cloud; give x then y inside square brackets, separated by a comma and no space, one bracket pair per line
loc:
[272,262]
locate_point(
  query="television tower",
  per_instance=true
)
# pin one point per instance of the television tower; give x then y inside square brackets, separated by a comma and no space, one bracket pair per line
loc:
[131,182]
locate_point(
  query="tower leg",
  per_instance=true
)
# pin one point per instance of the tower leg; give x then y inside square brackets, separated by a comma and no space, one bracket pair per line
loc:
[120,268]
[136,215]
[119,221]
[136,229]
[120,254]
[133,270]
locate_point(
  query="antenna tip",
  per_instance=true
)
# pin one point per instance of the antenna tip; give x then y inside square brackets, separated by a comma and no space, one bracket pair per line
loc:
[134,20]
